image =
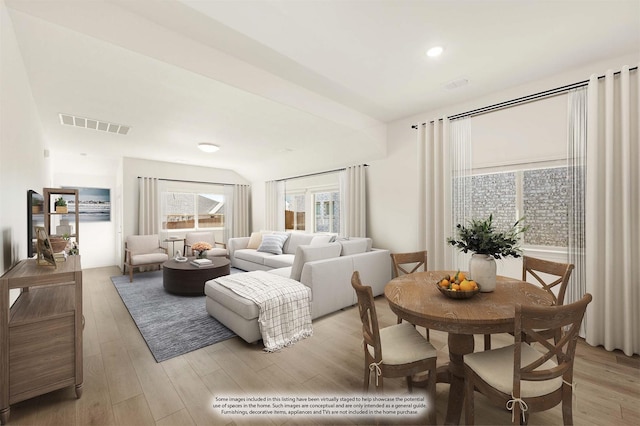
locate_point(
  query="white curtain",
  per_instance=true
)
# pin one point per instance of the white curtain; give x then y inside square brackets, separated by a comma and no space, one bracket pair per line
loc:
[353,201]
[240,208]
[613,212]
[148,206]
[577,156]
[274,205]
[435,183]
[461,183]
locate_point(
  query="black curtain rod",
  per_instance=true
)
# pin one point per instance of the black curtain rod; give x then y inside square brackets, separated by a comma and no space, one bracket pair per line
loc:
[316,174]
[524,99]
[192,181]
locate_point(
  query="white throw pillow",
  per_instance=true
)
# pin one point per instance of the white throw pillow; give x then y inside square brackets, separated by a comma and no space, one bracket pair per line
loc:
[254,240]
[354,246]
[272,243]
[320,240]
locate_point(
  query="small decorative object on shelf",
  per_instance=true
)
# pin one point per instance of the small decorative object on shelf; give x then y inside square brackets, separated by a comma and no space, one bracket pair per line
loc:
[74,250]
[43,247]
[487,244]
[200,249]
[61,205]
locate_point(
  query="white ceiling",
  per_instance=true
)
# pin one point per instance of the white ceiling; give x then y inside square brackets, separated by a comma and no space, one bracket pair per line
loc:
[289,87]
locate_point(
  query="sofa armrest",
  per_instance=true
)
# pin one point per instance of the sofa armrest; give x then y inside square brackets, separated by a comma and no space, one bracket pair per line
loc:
[375,269]
[237,243]
[330,284]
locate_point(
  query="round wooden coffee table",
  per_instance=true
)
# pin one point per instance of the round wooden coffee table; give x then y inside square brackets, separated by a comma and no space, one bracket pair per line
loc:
[187,280]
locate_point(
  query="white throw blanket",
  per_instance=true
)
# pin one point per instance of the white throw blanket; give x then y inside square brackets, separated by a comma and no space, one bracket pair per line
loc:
[285,314]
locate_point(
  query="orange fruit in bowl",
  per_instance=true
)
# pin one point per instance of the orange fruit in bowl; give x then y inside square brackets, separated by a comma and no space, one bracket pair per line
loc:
[474,284]
[461,276]
[455,287]
[444,283]
[466,286]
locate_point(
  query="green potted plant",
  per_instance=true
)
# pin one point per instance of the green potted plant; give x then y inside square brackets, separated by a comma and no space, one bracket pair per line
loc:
[61,205]
[481,238]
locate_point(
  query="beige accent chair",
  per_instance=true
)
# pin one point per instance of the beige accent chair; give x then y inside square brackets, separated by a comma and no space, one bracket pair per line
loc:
[548,275]
[395,351]
[206,237]
[141,251]
[522,378]
[415,261]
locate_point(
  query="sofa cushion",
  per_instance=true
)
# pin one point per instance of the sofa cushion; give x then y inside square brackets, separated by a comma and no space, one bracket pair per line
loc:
[319,240]
[273,243]
[253,256]
[227,298]
[279,261]
[307,253]
[254,240]
[355,246]
[145,259]
[296,239]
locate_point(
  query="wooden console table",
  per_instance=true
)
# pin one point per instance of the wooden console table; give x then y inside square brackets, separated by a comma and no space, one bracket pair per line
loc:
[41,334]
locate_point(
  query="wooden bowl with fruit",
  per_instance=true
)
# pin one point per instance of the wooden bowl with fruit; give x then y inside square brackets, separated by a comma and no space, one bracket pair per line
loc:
[458,286]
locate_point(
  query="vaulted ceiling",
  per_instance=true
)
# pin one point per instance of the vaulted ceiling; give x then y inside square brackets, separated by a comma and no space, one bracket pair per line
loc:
[289,87]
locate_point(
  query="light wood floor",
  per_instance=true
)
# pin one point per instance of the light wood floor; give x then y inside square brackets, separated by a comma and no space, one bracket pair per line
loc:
[123,385]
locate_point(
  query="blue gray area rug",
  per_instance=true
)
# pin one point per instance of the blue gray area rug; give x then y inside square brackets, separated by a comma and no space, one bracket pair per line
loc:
[171,325]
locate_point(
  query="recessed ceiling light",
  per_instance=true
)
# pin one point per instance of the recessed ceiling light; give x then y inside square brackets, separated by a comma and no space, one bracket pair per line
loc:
[435,51]
[208,147]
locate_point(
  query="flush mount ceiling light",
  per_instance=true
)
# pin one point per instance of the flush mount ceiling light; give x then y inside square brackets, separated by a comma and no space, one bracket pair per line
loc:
[208,147]
[435,51]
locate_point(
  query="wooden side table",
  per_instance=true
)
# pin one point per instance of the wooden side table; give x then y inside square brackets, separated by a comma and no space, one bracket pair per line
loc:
[173,242]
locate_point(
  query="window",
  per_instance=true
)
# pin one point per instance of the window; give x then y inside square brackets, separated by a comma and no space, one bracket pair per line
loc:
[312,203]
[184,210]
[327,211]
[538,195]
[294,213]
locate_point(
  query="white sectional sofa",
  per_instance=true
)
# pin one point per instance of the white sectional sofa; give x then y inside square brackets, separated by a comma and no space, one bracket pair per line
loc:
[325,267]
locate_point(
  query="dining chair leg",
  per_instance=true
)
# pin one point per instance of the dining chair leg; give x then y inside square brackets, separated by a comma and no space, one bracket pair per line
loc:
[409,384]
[487,342]
[367,375]
[567,402]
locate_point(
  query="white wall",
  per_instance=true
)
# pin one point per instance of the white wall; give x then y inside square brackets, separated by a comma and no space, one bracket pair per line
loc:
[392,182]
[23,165]
[97,239]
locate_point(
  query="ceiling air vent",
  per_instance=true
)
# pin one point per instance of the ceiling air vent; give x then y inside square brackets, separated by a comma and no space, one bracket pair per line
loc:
[89,123]
[454,84]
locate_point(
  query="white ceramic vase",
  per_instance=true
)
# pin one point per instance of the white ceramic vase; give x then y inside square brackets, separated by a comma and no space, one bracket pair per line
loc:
[482,268]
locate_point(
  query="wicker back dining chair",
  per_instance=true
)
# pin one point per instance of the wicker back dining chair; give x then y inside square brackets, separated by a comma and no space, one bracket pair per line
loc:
[523,378]
[394,351]
[547,275]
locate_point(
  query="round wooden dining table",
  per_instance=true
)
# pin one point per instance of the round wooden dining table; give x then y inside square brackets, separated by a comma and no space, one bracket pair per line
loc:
[416,299]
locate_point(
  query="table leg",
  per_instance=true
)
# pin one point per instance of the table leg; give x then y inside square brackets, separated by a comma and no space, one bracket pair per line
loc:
[459,345]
